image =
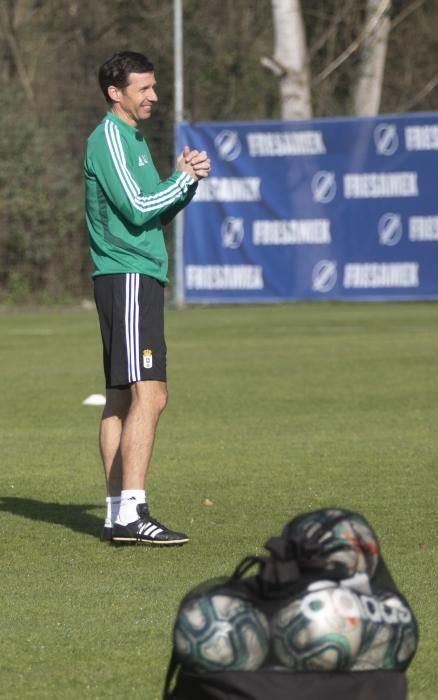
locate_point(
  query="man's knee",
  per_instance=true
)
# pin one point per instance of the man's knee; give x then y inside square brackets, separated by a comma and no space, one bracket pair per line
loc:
[162,398]
[150,393]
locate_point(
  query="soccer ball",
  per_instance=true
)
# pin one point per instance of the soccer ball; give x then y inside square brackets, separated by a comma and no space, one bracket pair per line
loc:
[320,630]
[391,634]
[214,632]
[341,539]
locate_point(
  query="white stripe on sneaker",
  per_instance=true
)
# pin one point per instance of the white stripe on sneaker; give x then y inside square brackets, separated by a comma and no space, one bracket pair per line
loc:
[150,529]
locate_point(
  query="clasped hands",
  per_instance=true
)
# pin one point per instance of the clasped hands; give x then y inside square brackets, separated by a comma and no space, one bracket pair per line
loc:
[194,163]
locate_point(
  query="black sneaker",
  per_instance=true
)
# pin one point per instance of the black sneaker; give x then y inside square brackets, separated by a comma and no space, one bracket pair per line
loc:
[147,530]
[106,534]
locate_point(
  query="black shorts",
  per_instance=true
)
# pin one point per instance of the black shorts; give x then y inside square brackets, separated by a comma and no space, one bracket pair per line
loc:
[131,316]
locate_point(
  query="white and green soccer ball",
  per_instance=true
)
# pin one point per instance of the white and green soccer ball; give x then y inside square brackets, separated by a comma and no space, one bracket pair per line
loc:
[216,632]
[331,627]
[320,630]
[391,634]
[340,539]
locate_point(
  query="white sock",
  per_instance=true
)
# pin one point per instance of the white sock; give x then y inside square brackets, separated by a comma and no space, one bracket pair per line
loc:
[130,499]
[112,509]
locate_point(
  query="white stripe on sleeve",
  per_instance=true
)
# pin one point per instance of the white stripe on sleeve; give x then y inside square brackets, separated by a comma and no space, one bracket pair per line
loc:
[144,203]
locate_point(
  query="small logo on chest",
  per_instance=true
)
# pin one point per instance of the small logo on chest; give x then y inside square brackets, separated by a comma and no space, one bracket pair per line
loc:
[142,160]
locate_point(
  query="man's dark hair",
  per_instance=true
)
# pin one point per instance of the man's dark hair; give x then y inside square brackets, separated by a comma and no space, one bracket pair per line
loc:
[116,70]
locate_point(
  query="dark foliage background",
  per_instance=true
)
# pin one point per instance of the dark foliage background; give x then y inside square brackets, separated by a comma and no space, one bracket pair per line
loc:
[50,51]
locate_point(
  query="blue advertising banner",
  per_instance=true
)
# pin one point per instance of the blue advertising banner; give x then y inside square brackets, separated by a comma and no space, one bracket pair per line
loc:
[322,209]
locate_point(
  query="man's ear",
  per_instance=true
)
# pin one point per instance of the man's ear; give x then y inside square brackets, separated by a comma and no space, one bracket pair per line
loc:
[113,93]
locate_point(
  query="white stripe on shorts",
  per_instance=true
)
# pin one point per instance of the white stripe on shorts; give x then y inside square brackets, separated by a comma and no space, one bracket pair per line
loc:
[131,327]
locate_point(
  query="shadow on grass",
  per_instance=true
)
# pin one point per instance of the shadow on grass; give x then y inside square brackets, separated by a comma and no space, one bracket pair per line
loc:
[73,516]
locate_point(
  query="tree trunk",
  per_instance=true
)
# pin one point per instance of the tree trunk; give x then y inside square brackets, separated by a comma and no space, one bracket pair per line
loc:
[290,61]
[368,90]
[8,31]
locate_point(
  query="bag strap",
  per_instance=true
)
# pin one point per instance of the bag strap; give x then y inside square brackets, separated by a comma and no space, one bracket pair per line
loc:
[170,676]
[274,573]
[278,574]
[245,565]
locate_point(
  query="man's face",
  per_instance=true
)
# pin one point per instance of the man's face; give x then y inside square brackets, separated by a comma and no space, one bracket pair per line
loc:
[137,98]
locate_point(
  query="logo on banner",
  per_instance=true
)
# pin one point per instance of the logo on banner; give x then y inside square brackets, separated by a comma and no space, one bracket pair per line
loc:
[324,186]
[373,275]
[228,145]
[232,232]
[423,228]
[324,276]
[223,277]
[390,229]
[291,232]
[422,138]
[285,143]
[229,189]
[378,185]
[386,139]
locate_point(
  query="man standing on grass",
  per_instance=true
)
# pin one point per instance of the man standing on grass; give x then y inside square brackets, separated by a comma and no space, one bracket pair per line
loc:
[126,206]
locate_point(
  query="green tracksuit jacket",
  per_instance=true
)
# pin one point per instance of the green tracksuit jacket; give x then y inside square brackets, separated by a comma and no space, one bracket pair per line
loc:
[127,203]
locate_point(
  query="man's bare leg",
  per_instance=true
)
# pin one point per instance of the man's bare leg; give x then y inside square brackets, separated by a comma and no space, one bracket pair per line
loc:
[111,426]
[134,523]
[127,433]
[147,401]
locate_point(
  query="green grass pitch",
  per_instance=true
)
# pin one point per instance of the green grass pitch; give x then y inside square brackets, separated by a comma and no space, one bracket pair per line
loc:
[273,410]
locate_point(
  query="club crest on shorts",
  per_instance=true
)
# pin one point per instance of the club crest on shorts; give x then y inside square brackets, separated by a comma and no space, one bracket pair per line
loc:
[147,358]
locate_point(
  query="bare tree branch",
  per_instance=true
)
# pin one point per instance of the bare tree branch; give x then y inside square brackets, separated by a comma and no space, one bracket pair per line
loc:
[331,29]
[406,12]
[14,48]
[426,90]
[145,11]
[274,66]
[33,69]
[22,13]
[355,45]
